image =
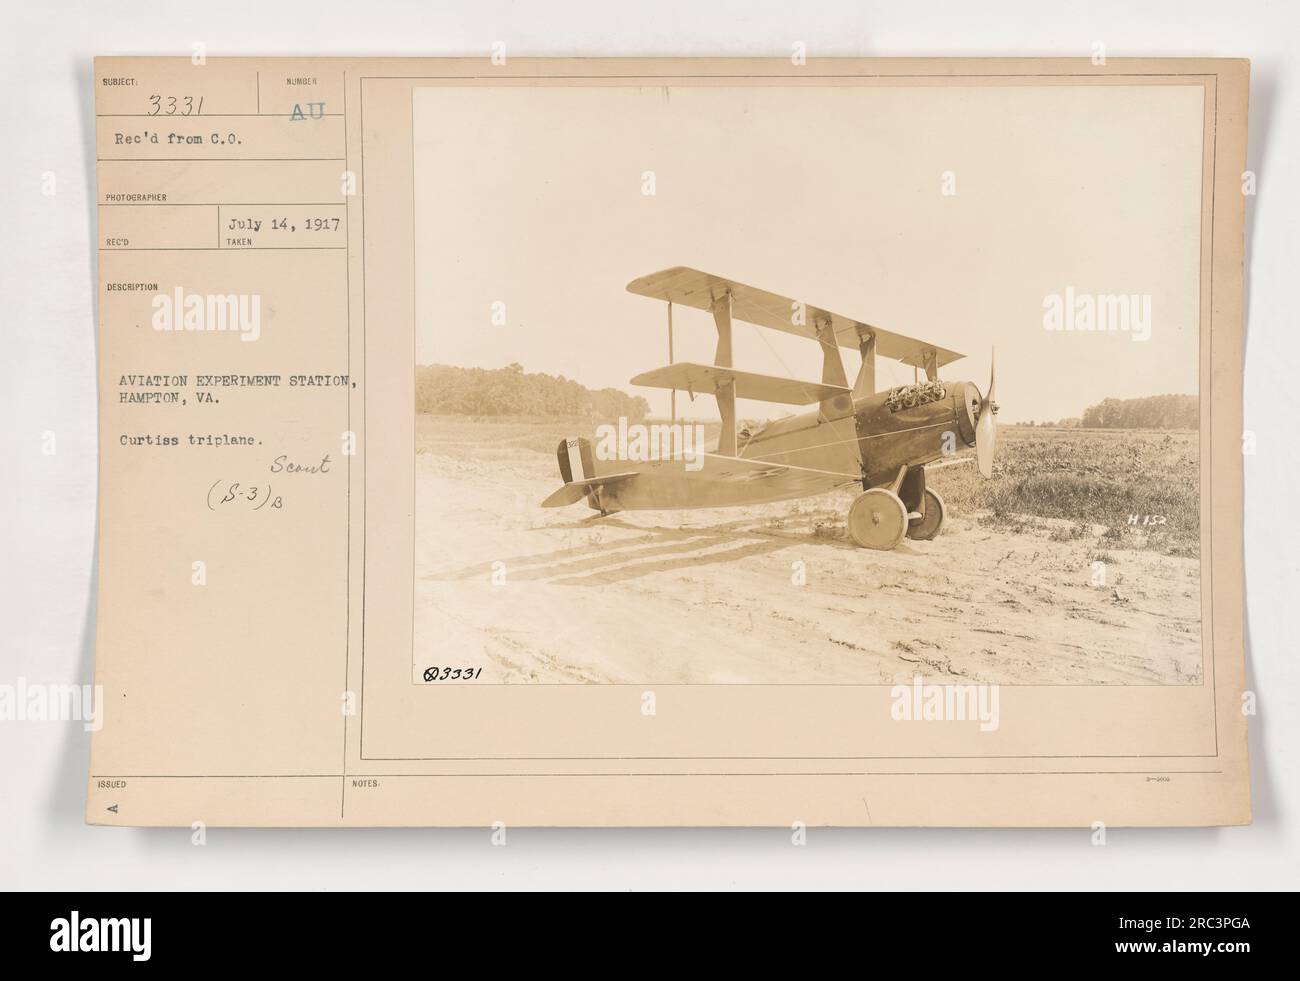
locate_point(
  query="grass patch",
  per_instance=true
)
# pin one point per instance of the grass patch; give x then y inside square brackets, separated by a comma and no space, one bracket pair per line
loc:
[1089,478]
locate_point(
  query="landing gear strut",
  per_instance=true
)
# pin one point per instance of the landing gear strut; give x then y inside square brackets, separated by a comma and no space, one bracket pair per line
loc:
[932,514]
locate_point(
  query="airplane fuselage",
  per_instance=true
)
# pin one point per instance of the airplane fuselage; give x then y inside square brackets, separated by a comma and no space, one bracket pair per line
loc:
[888,434]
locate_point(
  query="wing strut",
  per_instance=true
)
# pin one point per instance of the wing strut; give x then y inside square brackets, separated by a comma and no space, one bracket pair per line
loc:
[931,363]
[670,358]
[721,307]
[866,382]
[832,370]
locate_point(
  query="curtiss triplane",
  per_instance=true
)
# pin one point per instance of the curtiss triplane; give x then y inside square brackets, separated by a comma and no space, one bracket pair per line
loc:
[879,440]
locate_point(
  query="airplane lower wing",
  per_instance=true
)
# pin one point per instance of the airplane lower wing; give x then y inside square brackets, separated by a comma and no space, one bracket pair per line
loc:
[753,472]
[716,466]
[703,481]
[950,463]
[711,480]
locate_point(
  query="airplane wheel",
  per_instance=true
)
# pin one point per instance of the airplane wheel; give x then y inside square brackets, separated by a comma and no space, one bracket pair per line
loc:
[877,519]
[928,526]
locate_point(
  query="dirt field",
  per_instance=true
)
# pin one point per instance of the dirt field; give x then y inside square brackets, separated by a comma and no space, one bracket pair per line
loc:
[776,594]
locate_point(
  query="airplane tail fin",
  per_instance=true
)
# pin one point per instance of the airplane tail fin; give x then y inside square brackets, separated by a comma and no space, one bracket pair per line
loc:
[576,459]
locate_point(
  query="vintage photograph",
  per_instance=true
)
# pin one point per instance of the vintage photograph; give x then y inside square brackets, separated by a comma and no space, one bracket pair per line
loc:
[800,384]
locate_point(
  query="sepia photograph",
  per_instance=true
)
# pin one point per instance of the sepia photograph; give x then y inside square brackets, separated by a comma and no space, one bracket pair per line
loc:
[723,384]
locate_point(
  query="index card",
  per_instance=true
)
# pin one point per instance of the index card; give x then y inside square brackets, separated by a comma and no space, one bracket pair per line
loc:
[670,442]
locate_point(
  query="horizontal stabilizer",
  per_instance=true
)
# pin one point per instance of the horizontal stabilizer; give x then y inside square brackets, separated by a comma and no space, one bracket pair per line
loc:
[693,288]
[575,491]
[703,379]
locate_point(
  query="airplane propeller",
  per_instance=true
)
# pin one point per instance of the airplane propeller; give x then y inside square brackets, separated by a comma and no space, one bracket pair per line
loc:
[986,428]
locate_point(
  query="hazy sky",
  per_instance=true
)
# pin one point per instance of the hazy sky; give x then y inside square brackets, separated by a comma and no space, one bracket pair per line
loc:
[832,195]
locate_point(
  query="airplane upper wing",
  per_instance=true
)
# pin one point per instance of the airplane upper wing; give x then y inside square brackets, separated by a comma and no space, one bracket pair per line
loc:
[693,288]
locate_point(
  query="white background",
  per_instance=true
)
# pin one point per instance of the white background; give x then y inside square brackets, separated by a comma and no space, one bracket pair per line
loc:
[47,383]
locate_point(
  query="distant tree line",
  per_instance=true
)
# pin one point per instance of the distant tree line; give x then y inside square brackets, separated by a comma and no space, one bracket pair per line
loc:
[510,391]
[1153,412]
